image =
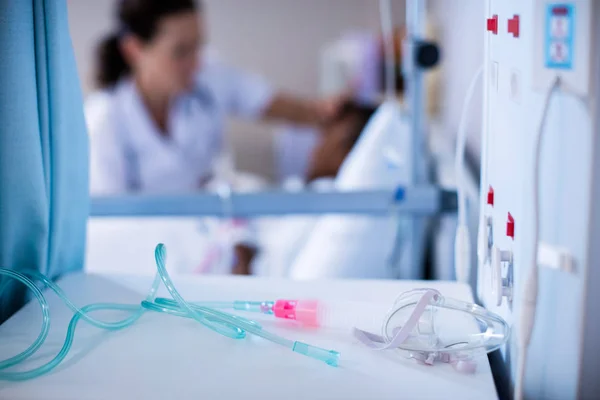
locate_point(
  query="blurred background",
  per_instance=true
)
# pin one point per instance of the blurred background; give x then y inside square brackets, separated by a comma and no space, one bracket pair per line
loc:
[311,48]
[287,41]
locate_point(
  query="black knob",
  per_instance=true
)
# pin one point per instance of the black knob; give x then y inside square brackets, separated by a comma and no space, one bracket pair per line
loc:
[427,54]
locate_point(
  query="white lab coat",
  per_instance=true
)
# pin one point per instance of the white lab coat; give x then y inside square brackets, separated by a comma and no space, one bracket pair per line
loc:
[128,153]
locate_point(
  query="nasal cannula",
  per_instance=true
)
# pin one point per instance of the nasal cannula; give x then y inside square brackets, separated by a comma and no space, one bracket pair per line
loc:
[229,325]
[421,322]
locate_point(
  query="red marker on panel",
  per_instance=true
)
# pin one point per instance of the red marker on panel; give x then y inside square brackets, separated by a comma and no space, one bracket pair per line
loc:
[492,24]
[510,227]
[513,26]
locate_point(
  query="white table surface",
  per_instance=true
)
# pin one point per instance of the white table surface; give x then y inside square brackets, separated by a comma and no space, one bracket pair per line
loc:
[165,357]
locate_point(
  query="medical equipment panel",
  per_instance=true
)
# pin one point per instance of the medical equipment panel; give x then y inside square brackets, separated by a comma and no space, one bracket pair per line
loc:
[533,233]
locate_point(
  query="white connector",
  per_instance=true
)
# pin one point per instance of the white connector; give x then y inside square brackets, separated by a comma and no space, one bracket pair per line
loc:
[555,258]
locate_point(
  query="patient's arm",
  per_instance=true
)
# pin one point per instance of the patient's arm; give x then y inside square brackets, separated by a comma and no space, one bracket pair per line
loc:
[302,111]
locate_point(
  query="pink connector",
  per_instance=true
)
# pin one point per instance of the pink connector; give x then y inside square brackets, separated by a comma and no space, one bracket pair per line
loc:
[303,311]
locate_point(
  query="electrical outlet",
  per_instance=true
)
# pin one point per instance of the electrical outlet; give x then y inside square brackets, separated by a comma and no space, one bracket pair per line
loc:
[562,44]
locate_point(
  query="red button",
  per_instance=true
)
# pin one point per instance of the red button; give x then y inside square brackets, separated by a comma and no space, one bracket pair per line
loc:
[490,196]
[510,227]
[513,26]
[492,24]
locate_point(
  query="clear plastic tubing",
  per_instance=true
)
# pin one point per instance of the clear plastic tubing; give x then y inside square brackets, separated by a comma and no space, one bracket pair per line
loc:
[326,314]
[232,326]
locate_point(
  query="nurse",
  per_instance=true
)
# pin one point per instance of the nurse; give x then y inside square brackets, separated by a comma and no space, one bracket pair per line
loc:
[156,124]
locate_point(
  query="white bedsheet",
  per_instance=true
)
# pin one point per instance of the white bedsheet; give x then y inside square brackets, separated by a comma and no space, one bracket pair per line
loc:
[113,243]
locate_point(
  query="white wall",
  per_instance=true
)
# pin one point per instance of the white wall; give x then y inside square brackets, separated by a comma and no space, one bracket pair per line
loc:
[280,39]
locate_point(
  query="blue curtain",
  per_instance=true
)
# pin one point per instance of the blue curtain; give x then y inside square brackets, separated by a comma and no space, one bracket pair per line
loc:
[43,146]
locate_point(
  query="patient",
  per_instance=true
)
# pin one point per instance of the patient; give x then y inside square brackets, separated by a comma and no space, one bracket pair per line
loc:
[267,247]
[339,136]
[280,238]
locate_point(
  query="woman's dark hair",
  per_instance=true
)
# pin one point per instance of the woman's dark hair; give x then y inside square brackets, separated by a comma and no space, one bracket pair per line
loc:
[140,18]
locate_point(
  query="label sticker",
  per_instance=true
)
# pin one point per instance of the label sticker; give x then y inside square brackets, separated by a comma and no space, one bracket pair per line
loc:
[560,32]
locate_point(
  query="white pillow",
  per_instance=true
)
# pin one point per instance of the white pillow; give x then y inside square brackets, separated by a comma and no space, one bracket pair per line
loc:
[360,246]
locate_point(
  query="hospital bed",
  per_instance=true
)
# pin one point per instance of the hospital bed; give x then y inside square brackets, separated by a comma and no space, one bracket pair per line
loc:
[362,218]
[386,156]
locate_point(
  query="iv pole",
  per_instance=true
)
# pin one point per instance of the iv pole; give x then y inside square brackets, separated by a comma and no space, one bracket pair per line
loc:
[413,74]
